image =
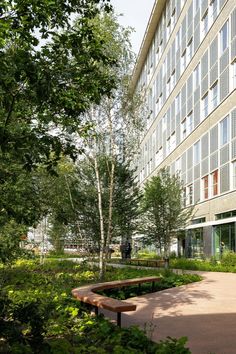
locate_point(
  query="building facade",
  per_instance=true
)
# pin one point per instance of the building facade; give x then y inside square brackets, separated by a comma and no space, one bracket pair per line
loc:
[186,69]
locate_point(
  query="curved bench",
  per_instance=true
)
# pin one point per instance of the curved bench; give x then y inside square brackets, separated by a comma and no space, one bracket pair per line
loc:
[87,294]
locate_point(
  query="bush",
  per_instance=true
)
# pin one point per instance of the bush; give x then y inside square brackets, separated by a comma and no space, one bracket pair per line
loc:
[39,315]
[229,259]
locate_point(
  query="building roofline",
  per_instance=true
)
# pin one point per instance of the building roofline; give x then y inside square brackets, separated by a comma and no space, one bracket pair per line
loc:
[147,39]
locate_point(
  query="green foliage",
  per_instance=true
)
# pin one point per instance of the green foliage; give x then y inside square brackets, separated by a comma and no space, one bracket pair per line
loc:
[125,200]
[39,315]
[145,253]
[44,91]
[228,259]
[212,265]
[163,208]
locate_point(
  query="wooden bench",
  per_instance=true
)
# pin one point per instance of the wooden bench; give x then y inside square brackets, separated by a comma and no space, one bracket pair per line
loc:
[87,294]
[153,262]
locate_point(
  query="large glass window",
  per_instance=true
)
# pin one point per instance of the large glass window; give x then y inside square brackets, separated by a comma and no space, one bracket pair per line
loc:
[195,243]
[224,131]
[224,37]
[214,180]
[224,239]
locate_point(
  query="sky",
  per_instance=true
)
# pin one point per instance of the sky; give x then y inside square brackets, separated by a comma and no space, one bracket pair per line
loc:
[136,14]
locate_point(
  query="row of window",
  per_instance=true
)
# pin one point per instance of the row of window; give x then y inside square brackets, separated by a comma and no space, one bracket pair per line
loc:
[209,160]
[166,81]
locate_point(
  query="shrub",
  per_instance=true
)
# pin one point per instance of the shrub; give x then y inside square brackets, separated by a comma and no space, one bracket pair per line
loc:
[229,259]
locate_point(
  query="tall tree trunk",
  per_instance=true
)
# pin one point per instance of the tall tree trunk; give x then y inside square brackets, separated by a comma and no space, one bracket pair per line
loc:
[102,234]
[111,186]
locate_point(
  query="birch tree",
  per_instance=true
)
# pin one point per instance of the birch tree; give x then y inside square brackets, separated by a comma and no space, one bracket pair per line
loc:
[115,128]
[164,213]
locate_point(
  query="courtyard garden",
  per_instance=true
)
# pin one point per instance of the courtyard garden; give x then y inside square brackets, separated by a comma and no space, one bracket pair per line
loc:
[39,315]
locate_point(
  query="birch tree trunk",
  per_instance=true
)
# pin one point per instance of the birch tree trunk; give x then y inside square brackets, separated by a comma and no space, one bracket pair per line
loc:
[111,184]
[102,234]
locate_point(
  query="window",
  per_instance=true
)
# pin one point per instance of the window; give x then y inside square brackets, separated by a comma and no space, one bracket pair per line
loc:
[189,50]
[168,146]
[189,126]
[184,197]
[196,77]
[233,71]
[214,95]
[172,142]
[214,179]
[224,37]
[234,174]
[164,67]
[213,10]
[183,129]
[196,6]
[177,39]
[224,131]
[177,166]
[172,81]
[168,29]
[205,106]
[183,61]
[196,150]
[205,25]
[164,121]
[173,19]
[205,187]
[168,88]
[190,194]
[177,103]
[159,156]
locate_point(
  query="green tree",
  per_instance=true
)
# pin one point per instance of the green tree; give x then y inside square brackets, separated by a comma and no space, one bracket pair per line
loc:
[126,198]
[52,70]
[163,210]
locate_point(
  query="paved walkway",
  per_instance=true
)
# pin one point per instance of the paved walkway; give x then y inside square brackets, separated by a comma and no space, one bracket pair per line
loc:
[205,312]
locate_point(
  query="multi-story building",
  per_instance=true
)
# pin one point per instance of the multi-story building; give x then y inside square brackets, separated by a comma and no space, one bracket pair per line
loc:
[187,70]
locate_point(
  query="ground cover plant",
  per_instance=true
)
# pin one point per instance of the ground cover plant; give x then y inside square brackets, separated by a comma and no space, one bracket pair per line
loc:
[226,264]
[168,280]
[39,315]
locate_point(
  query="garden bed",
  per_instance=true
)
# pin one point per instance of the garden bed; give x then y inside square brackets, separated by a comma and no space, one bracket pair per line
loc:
[39,315]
